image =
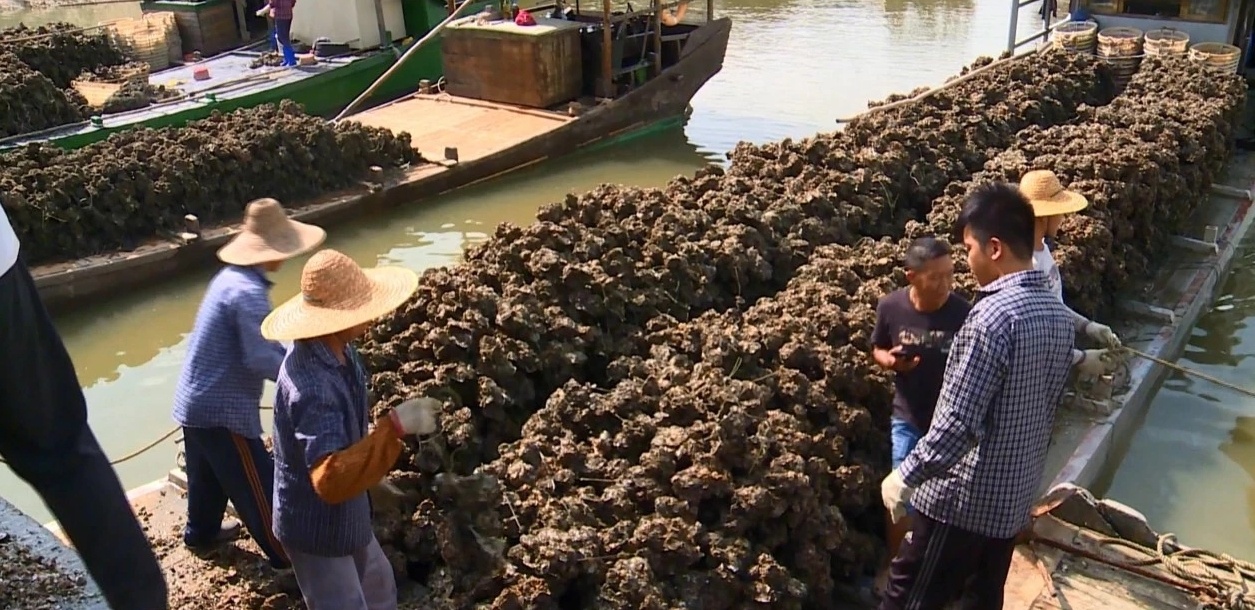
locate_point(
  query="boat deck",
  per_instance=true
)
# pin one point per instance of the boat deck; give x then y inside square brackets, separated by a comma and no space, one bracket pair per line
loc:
[230,74]
[476,128]
[230,77]
[1089,576]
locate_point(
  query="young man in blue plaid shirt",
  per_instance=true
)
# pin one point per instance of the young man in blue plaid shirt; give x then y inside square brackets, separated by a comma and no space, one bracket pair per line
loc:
[974,475]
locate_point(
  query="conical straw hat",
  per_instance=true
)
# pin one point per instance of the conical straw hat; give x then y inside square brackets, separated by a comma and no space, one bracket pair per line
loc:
[268,236]
[1049,198]
[337,294]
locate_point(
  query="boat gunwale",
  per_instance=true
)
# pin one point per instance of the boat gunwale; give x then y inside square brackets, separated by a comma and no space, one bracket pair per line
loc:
[61,284]
[1105,438]
[135,119]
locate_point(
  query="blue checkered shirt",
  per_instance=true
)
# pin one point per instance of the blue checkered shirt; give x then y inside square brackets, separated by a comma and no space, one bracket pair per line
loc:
[980,465]
[228,361]
[320,408]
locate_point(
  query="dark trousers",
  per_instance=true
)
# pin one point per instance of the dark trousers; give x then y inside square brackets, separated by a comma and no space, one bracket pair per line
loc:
[222,466]
[45,439]
[940,563]
[283,36]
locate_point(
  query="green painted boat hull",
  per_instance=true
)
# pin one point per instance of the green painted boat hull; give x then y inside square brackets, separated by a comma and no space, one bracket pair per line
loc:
[321,94]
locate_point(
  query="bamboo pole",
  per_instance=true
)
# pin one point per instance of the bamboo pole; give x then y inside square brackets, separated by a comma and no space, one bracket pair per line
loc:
[607,50]
[430,36]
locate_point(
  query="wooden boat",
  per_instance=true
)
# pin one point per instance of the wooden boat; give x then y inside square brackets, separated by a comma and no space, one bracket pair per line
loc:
[483,138]
[323,89]
[1081,553]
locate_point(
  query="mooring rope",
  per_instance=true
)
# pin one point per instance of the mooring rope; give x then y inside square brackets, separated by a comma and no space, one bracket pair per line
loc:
[1223,576]
[152,445]
[1188,371]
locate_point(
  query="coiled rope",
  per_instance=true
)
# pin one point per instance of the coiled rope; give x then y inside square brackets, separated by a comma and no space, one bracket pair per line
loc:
[1224,577]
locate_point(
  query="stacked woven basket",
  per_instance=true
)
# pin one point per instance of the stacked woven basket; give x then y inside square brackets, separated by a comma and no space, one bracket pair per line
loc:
[1076,36]
[1225,57]
[1166,41]
[1122,49]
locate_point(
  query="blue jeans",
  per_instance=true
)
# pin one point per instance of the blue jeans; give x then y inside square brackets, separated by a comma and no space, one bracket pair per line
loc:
[904,436]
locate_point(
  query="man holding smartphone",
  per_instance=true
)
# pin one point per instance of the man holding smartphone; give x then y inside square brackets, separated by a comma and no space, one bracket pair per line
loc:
[914,328]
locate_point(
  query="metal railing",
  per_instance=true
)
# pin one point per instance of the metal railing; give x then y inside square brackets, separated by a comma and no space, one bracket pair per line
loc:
[1048,25]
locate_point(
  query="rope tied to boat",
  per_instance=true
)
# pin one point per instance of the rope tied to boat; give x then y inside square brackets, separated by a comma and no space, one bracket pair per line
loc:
[1192,372]
[1223,577]
[151,445]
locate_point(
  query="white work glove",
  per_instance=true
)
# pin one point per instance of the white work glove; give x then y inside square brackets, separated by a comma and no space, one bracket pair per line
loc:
[264,11]
[1102,334]
[416,415]
[1094,362]
[896,494]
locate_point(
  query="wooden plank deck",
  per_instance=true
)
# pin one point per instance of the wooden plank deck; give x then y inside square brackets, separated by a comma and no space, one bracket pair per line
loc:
[1079,584]
[475,127]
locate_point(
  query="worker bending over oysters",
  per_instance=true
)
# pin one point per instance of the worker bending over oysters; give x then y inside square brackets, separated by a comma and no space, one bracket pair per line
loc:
[1051,203]
[327,456]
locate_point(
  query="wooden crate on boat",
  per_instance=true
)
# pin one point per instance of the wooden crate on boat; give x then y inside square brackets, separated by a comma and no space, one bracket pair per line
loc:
[537,66]
[209,26]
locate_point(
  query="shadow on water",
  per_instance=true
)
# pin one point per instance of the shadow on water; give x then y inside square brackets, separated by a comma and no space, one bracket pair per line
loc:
[936,19]
[1191,466]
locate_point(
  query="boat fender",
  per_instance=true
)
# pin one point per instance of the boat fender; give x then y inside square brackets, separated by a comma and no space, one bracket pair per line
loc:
[1129,523]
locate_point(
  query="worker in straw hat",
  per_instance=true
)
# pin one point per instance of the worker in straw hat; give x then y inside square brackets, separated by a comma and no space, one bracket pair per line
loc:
[219,391]
[327,458]
[1051,203]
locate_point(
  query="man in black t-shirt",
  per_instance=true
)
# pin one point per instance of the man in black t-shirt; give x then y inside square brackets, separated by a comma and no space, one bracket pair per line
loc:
[914,327]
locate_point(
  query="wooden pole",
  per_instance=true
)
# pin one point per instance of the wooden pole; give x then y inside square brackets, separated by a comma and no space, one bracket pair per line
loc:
[710,9]
[381,25]
[607,50]
[453,5]
[657,37]
[430,36]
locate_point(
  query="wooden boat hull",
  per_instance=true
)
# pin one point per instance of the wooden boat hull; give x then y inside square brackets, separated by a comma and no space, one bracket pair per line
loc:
[660,102]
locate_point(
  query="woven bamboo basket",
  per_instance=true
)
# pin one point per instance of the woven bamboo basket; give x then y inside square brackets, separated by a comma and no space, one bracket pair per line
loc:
[174,42]
[1122,49]
[1217,55]
[1166,41]
[1076,36]
[143,38]
[96,92]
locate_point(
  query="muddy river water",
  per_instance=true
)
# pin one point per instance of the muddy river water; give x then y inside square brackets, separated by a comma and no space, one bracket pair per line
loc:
[792,67]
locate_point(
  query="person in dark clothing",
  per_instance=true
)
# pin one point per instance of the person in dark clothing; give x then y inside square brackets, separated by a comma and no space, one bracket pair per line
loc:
[45,439]
[914,328]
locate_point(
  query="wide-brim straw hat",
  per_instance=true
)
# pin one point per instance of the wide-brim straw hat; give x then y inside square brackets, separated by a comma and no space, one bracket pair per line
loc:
[337,294]
[268,236]
[1042,189]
